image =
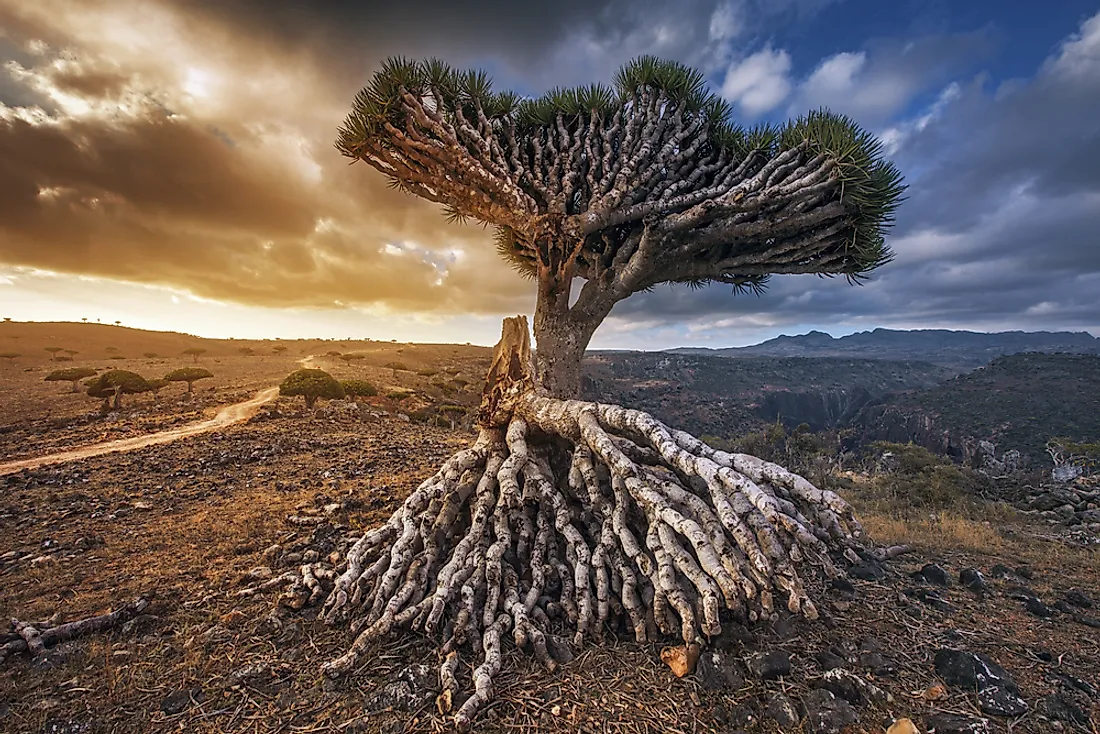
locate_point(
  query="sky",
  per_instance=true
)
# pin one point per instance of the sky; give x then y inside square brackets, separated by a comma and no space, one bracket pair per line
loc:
[169,164]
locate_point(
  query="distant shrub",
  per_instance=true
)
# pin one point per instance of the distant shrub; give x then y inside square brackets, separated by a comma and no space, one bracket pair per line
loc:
[397,395]
[72,374]
[190,375]
[156,385]
[116,356]
[54,351]
[247,351]
[194,353]
[911,476]
[115,384]
[10,356]
[311,384]
[150,355]
[358,388]
[427,372]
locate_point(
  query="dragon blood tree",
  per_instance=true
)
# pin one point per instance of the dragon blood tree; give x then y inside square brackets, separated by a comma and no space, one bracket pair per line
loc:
[564,517]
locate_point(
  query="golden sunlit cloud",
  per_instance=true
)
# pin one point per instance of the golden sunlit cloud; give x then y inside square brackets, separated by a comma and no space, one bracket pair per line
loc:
[156,151]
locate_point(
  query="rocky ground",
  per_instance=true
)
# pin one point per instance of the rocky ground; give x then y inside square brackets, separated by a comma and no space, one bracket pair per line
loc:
[988,628]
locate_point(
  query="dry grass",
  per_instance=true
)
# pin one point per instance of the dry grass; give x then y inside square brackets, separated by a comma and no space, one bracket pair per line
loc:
[950,532]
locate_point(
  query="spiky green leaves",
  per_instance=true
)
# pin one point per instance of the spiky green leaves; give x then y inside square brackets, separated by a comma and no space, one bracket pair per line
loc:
[603,162]
[871,185]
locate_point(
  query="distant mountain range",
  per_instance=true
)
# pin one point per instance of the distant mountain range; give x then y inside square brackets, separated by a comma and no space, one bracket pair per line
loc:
[957,350]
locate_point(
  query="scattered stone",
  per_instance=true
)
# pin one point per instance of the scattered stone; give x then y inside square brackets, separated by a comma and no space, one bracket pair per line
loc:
[1087,620]
[680,659]
[972,579]
[843,585]
[903,726]
[935,692]
[955,724]
[930,597]
[179,701]
[998,693]
[852,688]
[769,665]
[934,574]
[826,713]
[1084,686]
[1078,599]
[868,570]
[717,670]
[1025,572]
[1059,707]
[829,660]
[1000,571]
[998,701]
[396,696]
[1036,607]
[782,711]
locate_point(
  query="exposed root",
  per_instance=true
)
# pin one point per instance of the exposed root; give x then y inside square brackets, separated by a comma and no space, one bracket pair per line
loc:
[574,518]
[35,638]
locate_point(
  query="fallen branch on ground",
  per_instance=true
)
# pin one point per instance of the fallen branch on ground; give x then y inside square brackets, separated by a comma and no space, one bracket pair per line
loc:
[28,637]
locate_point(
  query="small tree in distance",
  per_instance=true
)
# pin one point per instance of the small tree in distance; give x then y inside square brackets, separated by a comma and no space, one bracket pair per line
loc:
[247,351]
[10,356]
[358,388]
[156,385]
[311,384]
[190,375]
[278,349]
[395,366]
[194,353]
[150,355]
[54,352]
[115,384]
[72,374]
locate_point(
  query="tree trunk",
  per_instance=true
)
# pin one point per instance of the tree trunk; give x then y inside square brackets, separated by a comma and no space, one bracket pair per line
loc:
[76,385]
[190,385]
[118,398]
[311,400]
[562,335]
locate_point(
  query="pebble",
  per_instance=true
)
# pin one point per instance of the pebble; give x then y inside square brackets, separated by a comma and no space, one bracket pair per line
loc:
[826,713]
[769,665]
[998,693]
[782,711]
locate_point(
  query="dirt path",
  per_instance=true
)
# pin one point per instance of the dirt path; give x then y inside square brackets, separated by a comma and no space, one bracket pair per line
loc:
[226,416]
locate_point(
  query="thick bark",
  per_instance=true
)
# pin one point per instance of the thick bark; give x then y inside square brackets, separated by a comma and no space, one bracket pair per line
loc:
[562,333]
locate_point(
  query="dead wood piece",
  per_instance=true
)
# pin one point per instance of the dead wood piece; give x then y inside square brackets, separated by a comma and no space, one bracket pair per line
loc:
[36,641]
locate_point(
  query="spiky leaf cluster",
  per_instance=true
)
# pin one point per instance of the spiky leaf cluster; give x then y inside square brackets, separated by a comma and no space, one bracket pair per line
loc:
[655,154]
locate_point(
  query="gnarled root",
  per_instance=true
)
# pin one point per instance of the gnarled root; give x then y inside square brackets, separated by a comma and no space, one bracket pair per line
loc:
[574,517]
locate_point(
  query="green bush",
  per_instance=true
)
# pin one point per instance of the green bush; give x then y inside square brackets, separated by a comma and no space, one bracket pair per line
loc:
[311,384]
[358,388]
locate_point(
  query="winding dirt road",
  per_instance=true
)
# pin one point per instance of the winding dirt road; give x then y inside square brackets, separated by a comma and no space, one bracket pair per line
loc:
[226,416]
